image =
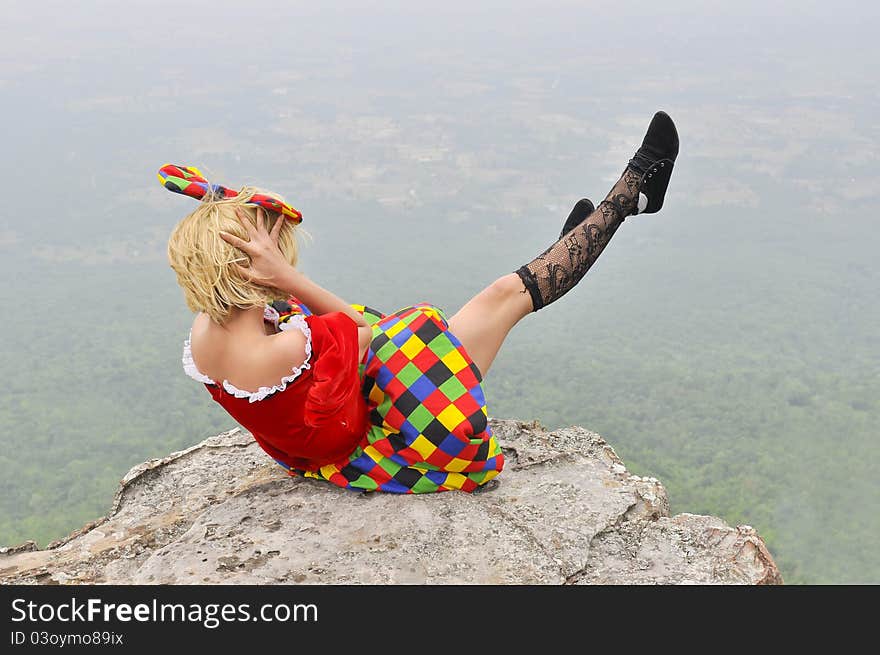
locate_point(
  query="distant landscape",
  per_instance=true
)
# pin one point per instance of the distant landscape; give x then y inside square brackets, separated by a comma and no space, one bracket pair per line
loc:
[727,345]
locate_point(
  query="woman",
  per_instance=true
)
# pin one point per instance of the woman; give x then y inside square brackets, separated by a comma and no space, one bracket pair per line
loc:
[345,393]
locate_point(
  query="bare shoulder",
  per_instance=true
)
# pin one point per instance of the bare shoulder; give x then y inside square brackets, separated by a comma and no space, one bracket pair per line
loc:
[246,364]
[290,345]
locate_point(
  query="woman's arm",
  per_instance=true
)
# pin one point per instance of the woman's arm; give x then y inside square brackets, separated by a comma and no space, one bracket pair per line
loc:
[315,297]
[268,267]
[321,301]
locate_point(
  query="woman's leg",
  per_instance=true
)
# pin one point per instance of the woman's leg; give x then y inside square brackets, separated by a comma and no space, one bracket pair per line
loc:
[485,320]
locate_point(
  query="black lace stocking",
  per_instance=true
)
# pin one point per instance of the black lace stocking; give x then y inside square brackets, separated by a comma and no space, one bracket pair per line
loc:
[561,266]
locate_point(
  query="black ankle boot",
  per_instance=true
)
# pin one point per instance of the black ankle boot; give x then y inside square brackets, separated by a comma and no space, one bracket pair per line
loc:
[654,161]
[582,209]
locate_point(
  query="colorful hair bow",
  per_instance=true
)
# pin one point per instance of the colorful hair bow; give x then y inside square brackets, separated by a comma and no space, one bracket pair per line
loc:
[189,181]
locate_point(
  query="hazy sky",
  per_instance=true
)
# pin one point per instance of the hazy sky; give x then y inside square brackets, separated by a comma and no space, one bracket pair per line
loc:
[284,90]
[437,147]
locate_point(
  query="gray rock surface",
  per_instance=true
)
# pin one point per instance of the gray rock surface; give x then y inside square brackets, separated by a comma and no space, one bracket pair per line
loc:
[564,511]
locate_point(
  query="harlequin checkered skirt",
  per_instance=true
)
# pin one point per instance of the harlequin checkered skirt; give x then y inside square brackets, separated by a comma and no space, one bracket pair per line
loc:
[428,417]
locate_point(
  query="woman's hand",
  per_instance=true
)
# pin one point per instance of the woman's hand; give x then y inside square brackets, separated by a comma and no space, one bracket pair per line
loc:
[268,264]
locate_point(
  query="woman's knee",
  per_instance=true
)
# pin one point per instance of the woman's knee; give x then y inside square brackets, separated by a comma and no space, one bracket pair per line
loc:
[510,297]
[502,300]
[505,287]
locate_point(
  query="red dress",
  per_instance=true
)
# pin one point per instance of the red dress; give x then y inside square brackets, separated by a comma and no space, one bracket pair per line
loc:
[321,416]
[409,417]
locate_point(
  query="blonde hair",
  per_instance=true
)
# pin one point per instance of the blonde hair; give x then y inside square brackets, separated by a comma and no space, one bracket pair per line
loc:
[203,261]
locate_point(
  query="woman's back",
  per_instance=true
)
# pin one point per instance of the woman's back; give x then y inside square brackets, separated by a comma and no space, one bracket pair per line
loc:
[242,356]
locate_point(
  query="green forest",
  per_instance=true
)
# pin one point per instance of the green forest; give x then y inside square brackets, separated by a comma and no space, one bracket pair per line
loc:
[744,377]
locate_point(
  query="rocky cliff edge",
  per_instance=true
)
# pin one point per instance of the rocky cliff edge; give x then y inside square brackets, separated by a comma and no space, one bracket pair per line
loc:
[564,511]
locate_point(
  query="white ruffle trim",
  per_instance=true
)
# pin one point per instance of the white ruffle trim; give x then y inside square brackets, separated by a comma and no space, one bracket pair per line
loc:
[189,366]
[271,314]
[297,321]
